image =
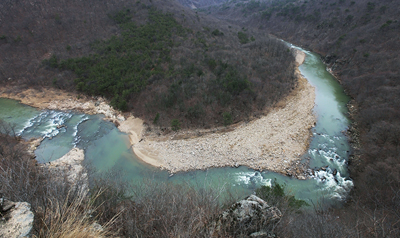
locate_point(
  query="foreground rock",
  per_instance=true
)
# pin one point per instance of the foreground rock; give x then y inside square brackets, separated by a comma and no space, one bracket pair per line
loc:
[16,219]
[250,217]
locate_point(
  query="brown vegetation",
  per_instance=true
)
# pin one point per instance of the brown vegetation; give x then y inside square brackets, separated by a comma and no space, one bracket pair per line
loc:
[153,209]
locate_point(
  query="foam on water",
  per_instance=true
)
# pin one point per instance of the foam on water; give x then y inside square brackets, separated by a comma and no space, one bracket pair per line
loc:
[83,119]
[77,138]
[337,185]
[54,121]
[251,178]
[329,148]
[46,124]
[28,124]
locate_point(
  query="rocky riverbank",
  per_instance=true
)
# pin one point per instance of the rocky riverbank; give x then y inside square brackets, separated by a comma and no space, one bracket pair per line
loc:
[273,142]
[54,99]
[70,167]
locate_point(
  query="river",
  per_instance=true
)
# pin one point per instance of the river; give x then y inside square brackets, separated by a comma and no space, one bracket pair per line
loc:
[106,148]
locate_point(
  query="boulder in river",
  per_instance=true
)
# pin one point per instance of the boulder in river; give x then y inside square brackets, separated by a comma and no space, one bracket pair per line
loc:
[334,172]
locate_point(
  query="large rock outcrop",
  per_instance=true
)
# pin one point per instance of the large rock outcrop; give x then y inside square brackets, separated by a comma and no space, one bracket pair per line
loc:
[251,217]
[16,219]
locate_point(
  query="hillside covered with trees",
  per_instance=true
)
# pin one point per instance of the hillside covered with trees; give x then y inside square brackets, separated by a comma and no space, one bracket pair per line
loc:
[360,41]
[161,61]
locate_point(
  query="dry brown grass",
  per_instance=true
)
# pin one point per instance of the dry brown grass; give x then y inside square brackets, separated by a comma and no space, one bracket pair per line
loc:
[72,218]
[158,209]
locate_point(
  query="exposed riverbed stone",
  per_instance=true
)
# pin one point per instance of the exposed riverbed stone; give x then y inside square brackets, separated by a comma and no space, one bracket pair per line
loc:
[54,99]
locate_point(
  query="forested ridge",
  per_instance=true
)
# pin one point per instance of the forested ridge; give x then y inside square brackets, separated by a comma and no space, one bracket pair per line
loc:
[167,64]
[360,41]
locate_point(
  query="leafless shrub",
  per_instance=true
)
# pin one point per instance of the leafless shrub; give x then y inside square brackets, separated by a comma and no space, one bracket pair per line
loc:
[315,222]
[154,209]
[72,218]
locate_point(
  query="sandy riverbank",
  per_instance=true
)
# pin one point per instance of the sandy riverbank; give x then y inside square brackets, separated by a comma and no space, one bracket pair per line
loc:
[273,142]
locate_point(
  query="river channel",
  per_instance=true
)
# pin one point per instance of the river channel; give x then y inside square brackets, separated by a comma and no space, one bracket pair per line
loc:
[106,148]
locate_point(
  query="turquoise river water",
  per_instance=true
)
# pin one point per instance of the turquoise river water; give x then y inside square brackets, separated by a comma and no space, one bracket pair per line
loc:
[108,149]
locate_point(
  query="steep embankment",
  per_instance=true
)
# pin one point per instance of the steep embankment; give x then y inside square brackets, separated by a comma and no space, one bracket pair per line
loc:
[167,64]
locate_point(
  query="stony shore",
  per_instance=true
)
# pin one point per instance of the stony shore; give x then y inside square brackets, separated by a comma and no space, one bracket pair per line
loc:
[54,99]
[273,142]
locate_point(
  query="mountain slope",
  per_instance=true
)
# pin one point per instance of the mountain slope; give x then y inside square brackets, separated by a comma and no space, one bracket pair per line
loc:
[157,58]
